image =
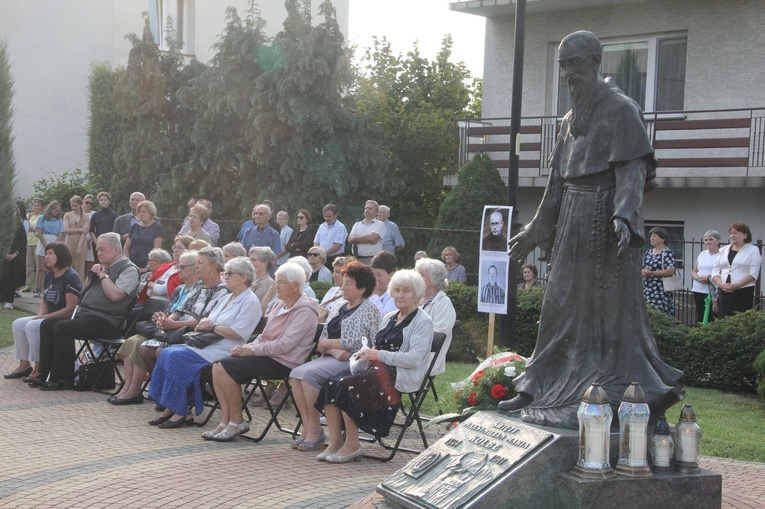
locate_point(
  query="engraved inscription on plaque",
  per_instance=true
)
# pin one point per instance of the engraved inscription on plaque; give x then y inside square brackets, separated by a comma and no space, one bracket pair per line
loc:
[461,464]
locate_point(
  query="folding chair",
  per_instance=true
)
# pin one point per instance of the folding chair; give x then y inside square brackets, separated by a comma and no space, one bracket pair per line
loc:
[412,414]
[431,379]
[112,344]
[259,382]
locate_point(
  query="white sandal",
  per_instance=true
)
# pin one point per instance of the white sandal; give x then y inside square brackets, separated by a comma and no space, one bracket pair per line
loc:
[225,436]
[210,434]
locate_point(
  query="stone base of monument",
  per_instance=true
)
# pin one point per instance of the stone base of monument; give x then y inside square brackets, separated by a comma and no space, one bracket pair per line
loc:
[493,461]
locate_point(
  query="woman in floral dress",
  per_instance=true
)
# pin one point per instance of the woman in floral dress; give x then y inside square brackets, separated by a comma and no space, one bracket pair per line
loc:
[658,263]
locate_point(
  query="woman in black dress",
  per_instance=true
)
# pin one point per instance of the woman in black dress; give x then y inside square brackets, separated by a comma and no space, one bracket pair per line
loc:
[370,400]
[301,239]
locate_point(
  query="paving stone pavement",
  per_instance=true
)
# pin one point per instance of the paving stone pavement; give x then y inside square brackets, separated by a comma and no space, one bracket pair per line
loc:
[74,450]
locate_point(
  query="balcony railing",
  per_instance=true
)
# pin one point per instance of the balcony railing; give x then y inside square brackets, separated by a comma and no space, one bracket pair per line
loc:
[688,144]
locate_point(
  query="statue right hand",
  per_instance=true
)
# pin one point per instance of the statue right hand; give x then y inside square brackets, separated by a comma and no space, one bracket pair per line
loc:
[520,246]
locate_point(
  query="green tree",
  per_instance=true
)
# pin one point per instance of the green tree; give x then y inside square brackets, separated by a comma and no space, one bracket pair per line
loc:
[221,99]
[478,185]
[415,103]
[7,162]
[104,124]
[309,146]
[155,129]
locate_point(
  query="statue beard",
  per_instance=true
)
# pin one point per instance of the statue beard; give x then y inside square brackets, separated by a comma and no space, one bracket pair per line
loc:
[582,95]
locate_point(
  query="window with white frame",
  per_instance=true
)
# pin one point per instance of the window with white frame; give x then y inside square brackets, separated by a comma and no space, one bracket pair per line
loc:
[650,70]
[175,17]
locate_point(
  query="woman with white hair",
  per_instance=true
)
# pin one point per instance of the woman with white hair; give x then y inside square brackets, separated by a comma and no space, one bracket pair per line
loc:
[437,305]
[175,380]
[702,271]
[303,262]
[284,344]
[370,400]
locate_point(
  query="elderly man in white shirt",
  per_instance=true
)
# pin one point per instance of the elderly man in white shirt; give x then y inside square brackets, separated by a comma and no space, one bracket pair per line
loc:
[331,234]
[393,241]
[283,218]
[367,234]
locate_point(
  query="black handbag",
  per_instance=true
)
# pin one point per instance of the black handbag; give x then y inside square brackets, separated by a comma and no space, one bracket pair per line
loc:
[172,337]
[87,373]
[201,339]
[146,329]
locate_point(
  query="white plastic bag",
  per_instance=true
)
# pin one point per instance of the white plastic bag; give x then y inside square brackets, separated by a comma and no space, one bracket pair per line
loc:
[360,365]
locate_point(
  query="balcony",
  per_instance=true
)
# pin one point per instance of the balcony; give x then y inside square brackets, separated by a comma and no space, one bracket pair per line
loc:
[502,8]
[705,148]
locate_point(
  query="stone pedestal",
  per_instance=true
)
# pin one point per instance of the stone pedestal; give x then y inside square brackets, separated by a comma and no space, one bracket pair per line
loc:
[533,474]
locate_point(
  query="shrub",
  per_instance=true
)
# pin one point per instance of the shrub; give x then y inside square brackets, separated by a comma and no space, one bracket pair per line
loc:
[62,187]
[464,299]
[671,338]
[320,288]
[722,354]
[759,366]
[527,324]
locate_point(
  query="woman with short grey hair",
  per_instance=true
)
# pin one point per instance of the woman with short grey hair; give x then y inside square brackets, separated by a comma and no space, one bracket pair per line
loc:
[242,266]
[232,250]
[701,273]
[263,260]
[437,305]
[214,256]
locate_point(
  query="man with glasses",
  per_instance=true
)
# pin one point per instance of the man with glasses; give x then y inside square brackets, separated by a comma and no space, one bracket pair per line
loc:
[594,324]
[258,232]
[102,220]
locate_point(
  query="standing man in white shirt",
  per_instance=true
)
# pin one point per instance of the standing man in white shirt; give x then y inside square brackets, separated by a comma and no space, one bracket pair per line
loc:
[393,241]
[331,234]
[124,222]
[367,234]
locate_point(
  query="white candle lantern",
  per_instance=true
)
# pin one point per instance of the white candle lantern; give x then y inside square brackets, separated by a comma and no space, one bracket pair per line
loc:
[687,440]
[595,417]
[662,446]
[633,434]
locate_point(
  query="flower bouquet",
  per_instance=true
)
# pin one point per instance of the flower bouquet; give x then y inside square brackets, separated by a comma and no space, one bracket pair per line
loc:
[486,387]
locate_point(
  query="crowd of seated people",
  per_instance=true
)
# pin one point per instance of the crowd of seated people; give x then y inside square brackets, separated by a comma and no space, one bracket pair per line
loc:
[216,298]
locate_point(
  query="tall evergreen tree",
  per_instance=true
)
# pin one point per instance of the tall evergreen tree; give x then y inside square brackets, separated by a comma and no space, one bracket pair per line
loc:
[478,185]
[155,129]
[222,98]
[7,161]
[104,124]
[309,146]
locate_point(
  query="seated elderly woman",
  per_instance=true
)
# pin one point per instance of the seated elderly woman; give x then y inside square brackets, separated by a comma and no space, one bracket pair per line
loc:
[175,381]
[355,318]
[167,279]
[232,250]
[263,259]
[192,300]
[198,215]
[334,295]
[61,286]
[317,257]
[284,344]
[437,305]
[370,400]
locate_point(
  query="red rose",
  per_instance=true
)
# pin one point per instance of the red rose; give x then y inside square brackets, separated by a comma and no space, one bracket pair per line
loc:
[477,377]
[498,391]
[472,400]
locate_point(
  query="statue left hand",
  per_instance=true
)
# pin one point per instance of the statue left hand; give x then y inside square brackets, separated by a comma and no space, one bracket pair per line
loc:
[621,229]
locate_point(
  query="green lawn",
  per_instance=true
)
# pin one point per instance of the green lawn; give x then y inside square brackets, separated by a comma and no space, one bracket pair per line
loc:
[6,319]
[732,424]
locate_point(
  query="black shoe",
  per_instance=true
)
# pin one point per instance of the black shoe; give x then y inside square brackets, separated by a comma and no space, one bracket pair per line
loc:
[28,379]
[57,385]
[20,374]
[168,424]
[159,420]
[135,400]
[37,382]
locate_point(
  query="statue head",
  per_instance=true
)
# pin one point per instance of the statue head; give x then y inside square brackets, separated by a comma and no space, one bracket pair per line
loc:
[579,57]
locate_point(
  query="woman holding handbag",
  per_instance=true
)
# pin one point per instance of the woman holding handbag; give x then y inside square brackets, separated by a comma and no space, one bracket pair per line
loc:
[658,263]
[736,271]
